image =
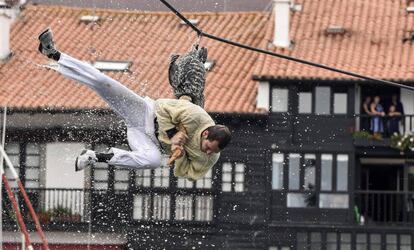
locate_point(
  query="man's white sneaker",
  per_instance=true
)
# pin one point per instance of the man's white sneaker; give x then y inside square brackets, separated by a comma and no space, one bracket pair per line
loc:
[87,158]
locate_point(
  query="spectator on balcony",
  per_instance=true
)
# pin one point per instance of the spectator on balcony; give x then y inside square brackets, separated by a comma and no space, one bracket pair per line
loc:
[393,124]
[397,103]
[378,113]
[365,113]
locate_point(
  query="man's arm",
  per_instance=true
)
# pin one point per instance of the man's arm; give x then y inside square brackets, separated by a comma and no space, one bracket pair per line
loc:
[194,169]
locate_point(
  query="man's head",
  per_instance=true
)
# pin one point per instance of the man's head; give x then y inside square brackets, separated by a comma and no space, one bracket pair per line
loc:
[215,138]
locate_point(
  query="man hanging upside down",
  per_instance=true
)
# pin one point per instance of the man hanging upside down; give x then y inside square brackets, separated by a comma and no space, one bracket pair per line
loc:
[153,127]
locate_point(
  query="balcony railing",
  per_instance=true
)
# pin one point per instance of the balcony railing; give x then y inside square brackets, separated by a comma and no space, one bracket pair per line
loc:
[57,205]
[385,206]
[405,124]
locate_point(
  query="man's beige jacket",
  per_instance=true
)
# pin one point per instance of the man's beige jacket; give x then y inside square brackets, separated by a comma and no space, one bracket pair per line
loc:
[172,113]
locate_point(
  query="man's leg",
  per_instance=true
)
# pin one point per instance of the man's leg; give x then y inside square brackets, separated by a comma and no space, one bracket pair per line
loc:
[145,154]
[130,106]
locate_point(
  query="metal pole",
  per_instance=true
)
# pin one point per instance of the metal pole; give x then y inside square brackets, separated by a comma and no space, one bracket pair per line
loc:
[26,199]
[1,181]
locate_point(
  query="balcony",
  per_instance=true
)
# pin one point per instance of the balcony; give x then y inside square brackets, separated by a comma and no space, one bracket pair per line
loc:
[385,207]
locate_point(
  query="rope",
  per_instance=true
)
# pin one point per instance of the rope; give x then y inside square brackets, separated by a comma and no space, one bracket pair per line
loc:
[223,40]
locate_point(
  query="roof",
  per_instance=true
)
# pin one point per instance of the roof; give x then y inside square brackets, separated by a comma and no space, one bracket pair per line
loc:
[372,44]
[147,39]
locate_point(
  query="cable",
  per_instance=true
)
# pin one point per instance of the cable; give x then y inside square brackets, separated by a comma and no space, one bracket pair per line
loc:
[223,40]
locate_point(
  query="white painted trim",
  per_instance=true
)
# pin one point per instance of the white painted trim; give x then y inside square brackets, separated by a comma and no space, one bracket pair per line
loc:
[263,95]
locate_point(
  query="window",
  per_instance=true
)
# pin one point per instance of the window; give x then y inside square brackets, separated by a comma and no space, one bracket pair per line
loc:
[206,182]
[294,168]
[161,207]
[204,208]
[112,65]
[326,172]
[302,177]
[233,177]
[322,100]
[405,242]
[375,241]
[310,170]
[100,171]
[143,177]
[32,170]
[391,242]
[277,171]
[162,177]
[184,207]
[305,102]
[280,99]
[142,207]
[331,241]
[342,173]
[13,152]
[333,200]
[121,178]
[316,241]
[361,242]
[302,173]
[345,241]
[340,103]
[184,183]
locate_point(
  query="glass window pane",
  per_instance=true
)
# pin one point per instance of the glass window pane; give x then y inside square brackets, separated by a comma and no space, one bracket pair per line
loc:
[342,173]
[294,161]
[239,177]
[143,177]
[32,173]
[32,184]
[121,186]
[322,100]
[345,241]
[411,178]
[32,148]
[326,172]
[12,148]
[333,200]
[206,181]
[277,171]
[240,168]
[375,242]
[101,174]
[391,242]
[331,241]
[297,200]
[361,242]
[316,243]
[302,241]
[405,242]
[305,102]
[310,169]
[280,99]
[184,208]
[204,208]
[121,175]
[340,103]
[100,185]
[32,160]
[184,183]
[238,187]
[226,187]
[142,206]
[161,205]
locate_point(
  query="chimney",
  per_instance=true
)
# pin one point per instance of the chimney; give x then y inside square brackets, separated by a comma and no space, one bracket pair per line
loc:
[9,10]
[281,11]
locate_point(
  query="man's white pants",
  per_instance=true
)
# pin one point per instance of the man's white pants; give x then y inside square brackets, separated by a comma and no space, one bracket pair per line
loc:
[137,112]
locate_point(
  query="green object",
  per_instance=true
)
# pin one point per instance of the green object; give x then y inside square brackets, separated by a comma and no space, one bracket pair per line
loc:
[357,215]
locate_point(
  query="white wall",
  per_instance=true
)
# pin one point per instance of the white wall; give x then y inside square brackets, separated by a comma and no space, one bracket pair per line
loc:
[60,165]
[407,100]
